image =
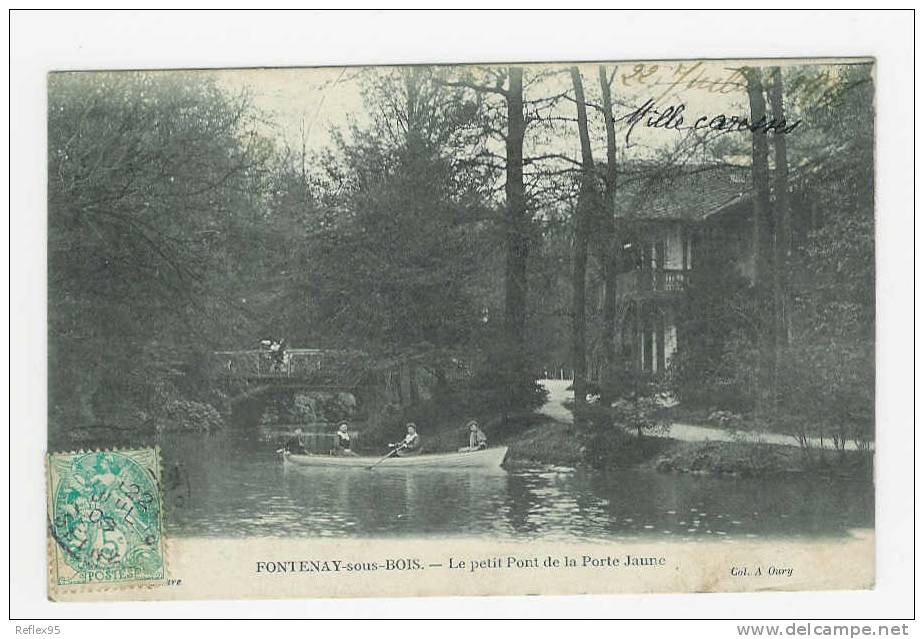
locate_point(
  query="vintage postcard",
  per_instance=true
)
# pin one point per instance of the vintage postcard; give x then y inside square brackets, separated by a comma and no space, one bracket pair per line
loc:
[461,330]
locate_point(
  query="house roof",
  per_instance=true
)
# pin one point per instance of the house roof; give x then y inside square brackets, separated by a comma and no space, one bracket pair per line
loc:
[689,193]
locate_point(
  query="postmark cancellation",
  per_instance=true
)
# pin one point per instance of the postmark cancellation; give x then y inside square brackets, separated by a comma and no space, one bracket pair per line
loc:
[105,519]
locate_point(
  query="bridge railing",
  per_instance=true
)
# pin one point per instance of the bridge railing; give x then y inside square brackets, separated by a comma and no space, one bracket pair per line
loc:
[300,363]
[321,368]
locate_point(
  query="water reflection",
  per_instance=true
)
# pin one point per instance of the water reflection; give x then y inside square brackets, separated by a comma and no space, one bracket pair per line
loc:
[233,486]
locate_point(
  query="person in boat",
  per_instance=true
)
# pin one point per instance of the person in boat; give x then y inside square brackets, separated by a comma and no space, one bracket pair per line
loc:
[343,440]
[410,445]
[296,444]
[477,440]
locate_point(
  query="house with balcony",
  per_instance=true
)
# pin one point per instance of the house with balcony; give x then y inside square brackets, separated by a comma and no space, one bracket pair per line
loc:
[690,227]
[672,221]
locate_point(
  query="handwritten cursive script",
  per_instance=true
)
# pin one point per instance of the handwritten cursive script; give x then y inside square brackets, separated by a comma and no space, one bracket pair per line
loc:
[671,118]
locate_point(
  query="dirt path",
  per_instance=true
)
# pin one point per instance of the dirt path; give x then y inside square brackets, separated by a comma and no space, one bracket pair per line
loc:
[559,393]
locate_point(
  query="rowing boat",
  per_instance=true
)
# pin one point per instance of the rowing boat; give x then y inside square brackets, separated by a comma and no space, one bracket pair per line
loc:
[487,458]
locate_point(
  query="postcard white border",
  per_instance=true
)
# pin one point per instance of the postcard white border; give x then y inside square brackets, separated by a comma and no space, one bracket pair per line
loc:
[41,42]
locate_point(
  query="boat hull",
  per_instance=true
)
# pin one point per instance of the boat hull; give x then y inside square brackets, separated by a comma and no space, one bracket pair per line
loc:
[487,458]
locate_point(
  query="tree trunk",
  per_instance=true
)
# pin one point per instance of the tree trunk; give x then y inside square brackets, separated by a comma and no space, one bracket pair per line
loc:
[760,173]
[579,255]
[611,248]
[517,231]
[762,238]
[782,238]
[782,211]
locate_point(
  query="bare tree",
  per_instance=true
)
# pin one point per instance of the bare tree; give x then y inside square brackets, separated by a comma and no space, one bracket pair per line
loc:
[782,211]
[762,231]
[517,231]
[584,210]
[760,171]
[782,233]
[508,85]
[610,245]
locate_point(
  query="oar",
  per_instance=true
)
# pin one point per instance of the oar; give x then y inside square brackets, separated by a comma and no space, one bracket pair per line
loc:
[395,450]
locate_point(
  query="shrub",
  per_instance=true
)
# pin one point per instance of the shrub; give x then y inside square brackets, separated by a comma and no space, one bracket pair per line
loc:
[507,388]
[608,430]
[640,414]
[185,415]
[723,418]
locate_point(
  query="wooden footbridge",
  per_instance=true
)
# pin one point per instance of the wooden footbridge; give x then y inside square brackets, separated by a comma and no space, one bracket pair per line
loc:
[249,372]
[321,369]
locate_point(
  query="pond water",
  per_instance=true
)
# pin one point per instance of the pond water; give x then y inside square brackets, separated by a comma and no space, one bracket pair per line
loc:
[235,486]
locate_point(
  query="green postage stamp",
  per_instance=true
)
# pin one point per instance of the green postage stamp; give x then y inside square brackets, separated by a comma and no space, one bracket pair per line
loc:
[105,518]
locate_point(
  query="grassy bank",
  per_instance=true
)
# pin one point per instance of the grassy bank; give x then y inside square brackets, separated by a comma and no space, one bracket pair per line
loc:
[546,442]
[748,459]
[553,442]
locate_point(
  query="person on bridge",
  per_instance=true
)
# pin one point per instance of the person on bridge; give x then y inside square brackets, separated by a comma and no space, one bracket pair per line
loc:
[410,445]
[477,440]
[278,352]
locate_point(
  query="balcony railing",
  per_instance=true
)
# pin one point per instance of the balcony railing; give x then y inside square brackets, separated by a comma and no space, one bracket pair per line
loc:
[653,281]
